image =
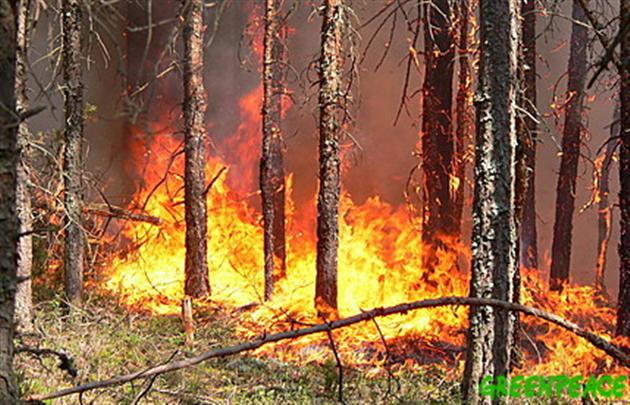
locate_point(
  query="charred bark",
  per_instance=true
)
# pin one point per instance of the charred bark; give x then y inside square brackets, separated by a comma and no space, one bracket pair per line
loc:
[571,139]
[623,311]
[23,297]
[74,239]
[494,239]
[528,229]
[462,113]
[330,110]
[9,224]
[438,217]
[604,208]
[272,180]
[196,283]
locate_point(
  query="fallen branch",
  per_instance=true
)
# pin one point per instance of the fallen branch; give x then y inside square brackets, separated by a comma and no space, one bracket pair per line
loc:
[115,212]
[66,363]
[597,341]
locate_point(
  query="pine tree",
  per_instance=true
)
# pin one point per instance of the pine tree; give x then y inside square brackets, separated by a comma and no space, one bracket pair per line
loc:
[272,181]
[329,160]
[196,282]
[494,239]
[571,140]
[9,224]
[74,239]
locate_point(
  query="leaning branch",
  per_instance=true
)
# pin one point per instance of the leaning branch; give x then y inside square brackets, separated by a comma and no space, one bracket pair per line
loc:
[115,212]
[597,341]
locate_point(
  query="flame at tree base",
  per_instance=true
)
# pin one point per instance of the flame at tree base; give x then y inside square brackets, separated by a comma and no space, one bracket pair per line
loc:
[379,265]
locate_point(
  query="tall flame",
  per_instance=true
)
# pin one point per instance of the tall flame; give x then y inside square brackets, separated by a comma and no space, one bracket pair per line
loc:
[379,265]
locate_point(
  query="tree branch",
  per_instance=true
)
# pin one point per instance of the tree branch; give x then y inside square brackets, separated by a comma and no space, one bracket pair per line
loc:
[609,348]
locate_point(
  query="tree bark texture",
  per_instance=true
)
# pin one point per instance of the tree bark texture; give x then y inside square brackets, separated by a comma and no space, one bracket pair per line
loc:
[528,229]
[23,297]
[438,219]
[74,242]
[272,179]
[330,110]
[571,139]
[196,283]
[494,238]
[623,311]
[9,224]
[462,116]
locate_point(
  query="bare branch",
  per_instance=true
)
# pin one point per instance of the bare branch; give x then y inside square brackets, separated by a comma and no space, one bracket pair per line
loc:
[597,341]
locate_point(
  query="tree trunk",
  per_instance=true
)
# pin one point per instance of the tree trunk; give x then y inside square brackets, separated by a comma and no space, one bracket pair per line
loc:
[329,160]
[604,209]
[197,284]
[272,181]
[494,239]
[23,295]
[461,113]
[9,224]
[73,159]
[438,219]
[623,311]
[571,139]
[528,231]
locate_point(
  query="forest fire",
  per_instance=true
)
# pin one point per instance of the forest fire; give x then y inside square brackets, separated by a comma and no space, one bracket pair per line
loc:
[400,235]
[378,266]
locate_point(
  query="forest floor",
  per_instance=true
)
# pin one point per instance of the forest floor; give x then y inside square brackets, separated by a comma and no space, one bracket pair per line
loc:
[105,340]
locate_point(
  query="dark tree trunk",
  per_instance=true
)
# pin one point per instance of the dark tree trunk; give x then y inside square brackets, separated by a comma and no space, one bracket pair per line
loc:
[438,219]
[494,239]
[528,231]
[272,181]
[462,115]
[330,110]
[604,209]
[9,224]
[73,161]
[623,311]
[23,297]
[571,139]
[197,284]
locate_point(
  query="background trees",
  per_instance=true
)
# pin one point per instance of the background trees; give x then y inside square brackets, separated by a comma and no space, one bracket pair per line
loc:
[571,140]
[438,217]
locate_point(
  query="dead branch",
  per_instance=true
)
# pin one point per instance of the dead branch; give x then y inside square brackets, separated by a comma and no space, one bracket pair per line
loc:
[597,341]
[120,213]
[66,363]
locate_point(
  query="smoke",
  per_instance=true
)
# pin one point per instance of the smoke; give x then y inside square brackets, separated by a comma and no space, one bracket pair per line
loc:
[384,159]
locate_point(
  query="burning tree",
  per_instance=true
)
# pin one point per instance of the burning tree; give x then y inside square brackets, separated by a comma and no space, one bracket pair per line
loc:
[196,283]
[462,114]
[571,140]
[73,256]
[494,239]
[9,225]
[437,130]
[272,179]
[330,112]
